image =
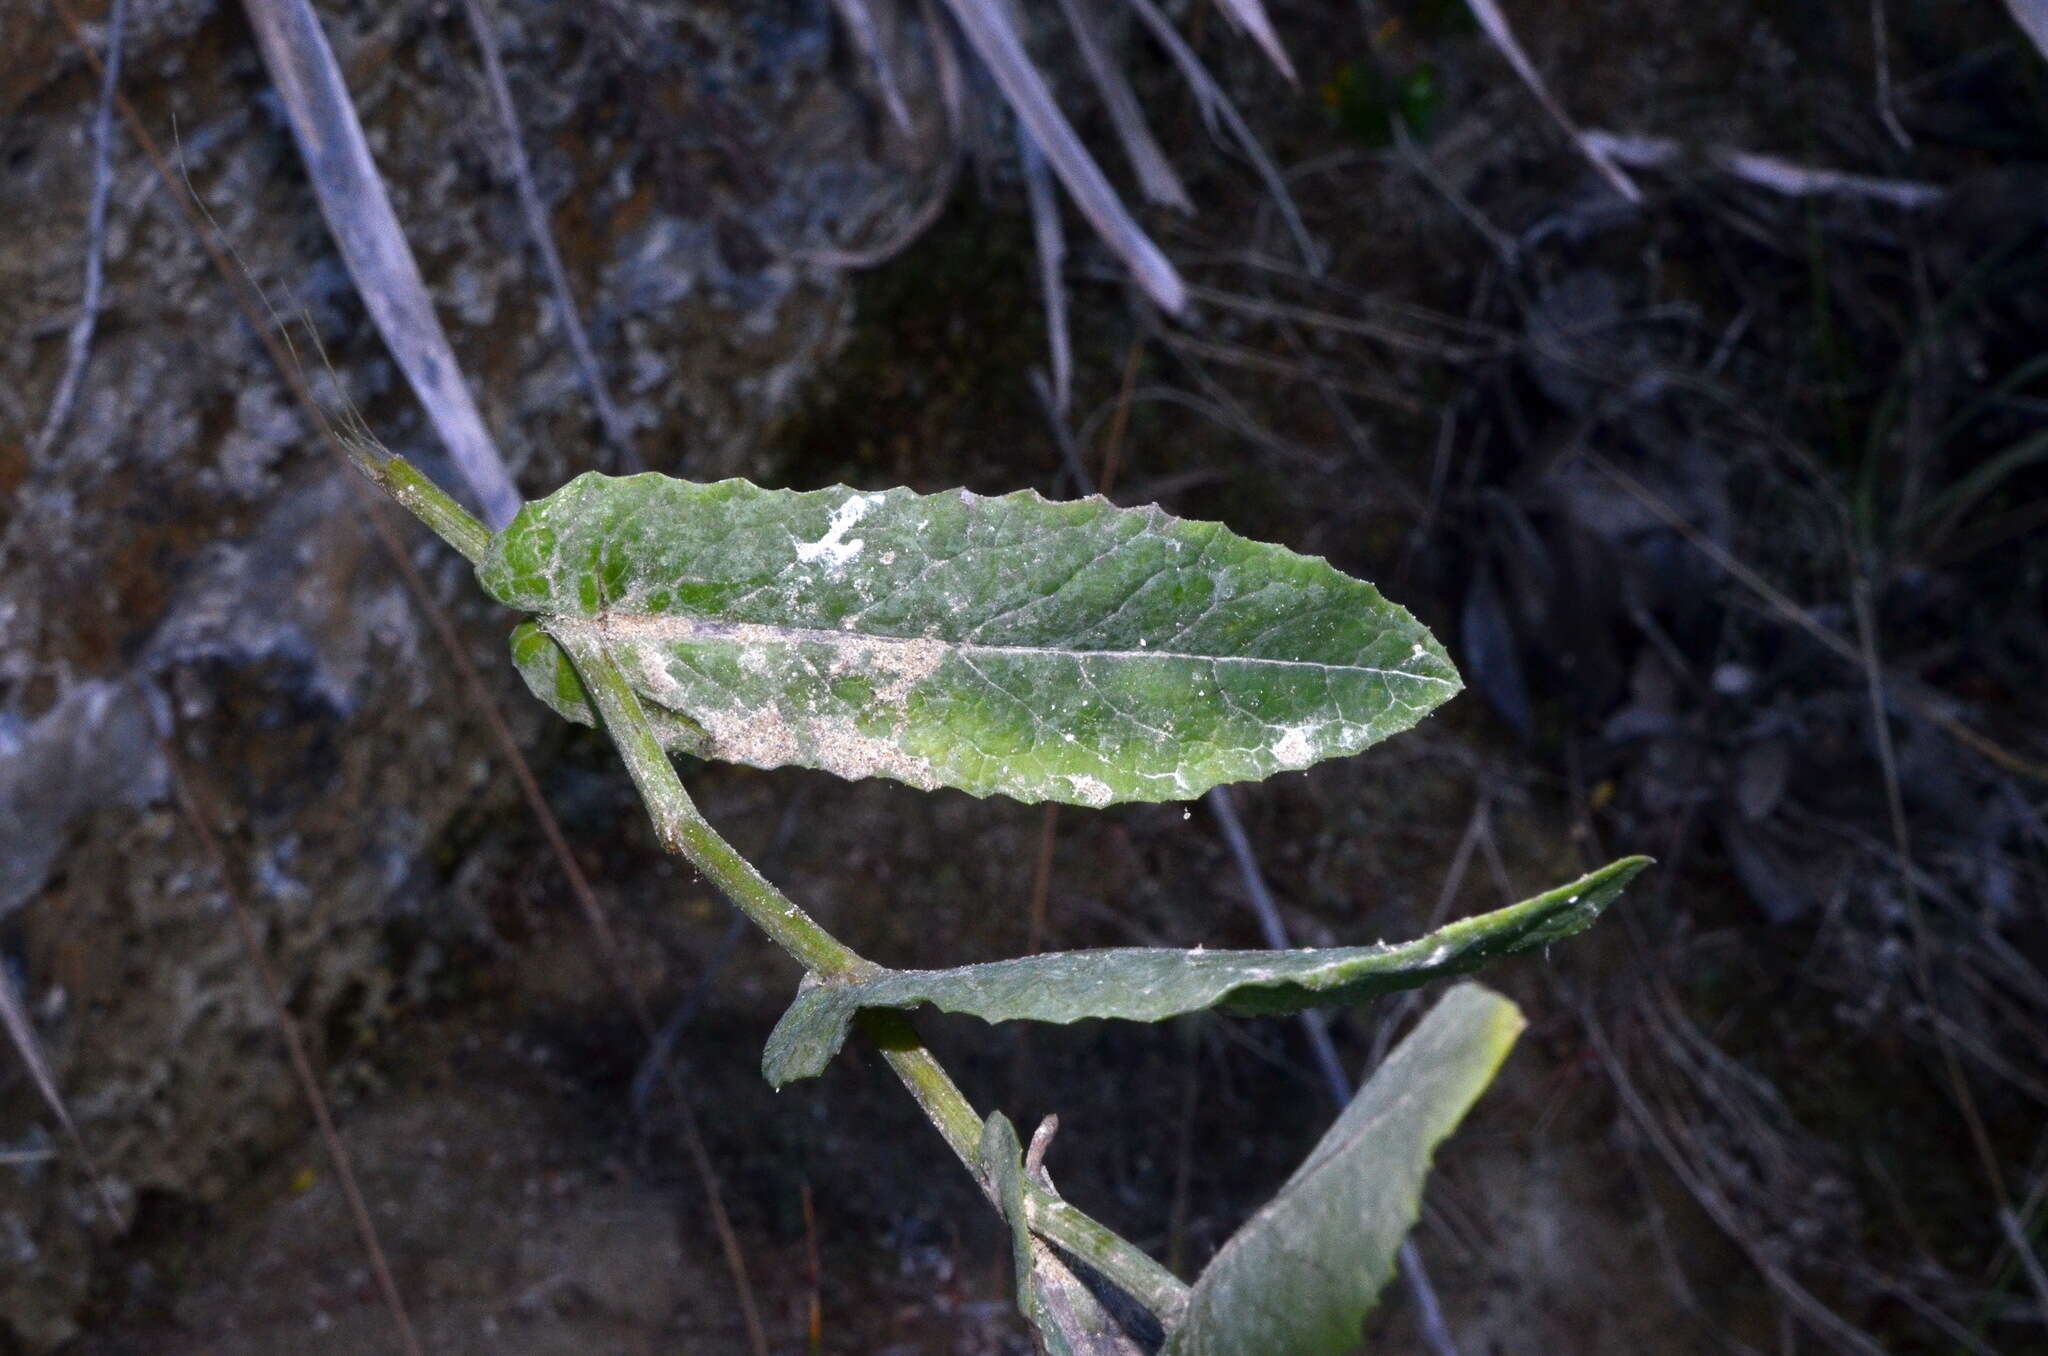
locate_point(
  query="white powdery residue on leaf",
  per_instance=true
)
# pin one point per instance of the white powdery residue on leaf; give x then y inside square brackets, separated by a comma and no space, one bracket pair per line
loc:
[1294,747]
[894,665]
[809,730]
[769,737]
[833,548]
[1091,790]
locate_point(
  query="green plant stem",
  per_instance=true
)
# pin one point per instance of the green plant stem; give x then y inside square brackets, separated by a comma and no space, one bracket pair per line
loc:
[1126,1265]
[408,486]
[684,831]
[428,502]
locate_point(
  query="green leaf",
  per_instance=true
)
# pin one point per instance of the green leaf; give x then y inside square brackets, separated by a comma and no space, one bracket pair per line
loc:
[1150,984]
[1300,1275]
[1002,1161]
[1075,652]
[1069,1319]
[547,671]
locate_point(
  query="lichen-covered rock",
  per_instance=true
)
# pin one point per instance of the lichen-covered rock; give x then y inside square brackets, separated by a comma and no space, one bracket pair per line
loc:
[185,562]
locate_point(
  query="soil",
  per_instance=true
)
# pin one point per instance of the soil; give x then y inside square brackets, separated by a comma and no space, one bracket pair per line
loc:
[1778,1099]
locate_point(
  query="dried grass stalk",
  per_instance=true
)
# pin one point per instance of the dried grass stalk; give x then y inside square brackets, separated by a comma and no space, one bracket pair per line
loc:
[358,212]
[1052,258]
[1148,161]
[992,35]
[1495,25]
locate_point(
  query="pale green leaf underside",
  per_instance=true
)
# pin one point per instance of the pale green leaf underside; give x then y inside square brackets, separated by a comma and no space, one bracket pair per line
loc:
[1299,1277]
[1151,984]
[1075,652]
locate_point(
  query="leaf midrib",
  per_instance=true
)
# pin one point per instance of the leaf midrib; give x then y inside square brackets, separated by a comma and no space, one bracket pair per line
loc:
[642,626]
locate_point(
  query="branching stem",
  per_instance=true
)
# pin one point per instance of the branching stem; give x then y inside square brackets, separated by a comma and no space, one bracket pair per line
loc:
[684,831]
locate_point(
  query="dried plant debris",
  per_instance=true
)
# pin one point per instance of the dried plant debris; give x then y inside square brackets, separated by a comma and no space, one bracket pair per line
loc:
[359,213]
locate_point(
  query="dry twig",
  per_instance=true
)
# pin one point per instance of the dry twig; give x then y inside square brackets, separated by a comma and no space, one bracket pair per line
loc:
[535,211]
[1217,107]
[21,1034]
[1881,59]
[2037,1275]
[1923,962]
[14,1016]
[1315,1024]
[1052,257]
[1502,36]
[1250,15]
[952,100]
[1660,1131]
[1156,177]
[78,343]
[1251,360]
[2032,17]
[1774,174]
[1981,745]
[859,22]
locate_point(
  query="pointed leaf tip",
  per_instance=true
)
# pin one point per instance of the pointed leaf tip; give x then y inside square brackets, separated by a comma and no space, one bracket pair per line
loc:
[1300,1276]
[1151,984]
